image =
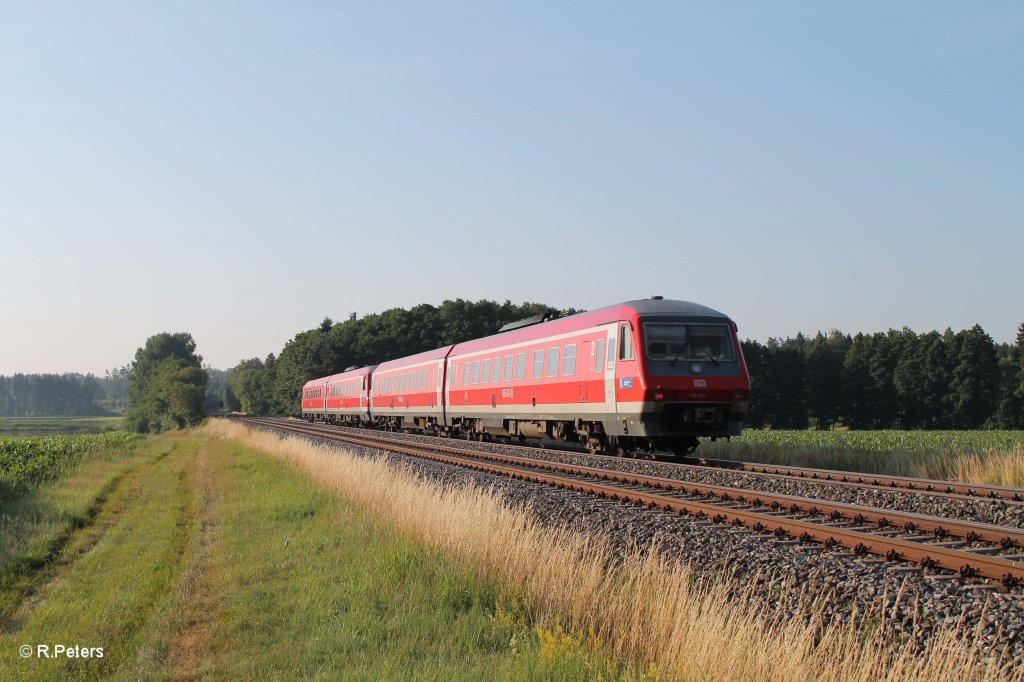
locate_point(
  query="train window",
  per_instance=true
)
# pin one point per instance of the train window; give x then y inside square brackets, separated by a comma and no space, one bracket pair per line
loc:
[496,370]
[538,364]
[520,366]
[569,361]
[626,345]
[476,371]
[553,361]
[599,356]
[611,353]
[508,368]
[467,368]
[486,371]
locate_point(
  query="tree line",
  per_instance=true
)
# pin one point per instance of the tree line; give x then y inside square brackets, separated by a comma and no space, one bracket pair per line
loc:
[66,395]
[897,379]
[84,395]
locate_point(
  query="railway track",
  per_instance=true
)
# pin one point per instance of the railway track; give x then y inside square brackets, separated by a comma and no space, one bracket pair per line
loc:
[953,490]
[967,548]
[876,481]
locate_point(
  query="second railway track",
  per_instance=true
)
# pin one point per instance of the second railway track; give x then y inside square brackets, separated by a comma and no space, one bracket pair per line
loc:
[969,549]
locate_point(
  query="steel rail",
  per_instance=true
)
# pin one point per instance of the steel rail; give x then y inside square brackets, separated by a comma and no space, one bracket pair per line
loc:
[967,564]
[921,485]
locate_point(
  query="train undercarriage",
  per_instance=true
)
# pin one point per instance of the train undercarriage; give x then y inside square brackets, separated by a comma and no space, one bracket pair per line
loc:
[579,434]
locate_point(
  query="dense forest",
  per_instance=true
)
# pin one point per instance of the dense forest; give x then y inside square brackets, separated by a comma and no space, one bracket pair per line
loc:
[893,380]
[899,379]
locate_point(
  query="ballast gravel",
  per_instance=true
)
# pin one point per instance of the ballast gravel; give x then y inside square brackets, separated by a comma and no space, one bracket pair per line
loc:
[912,605]
[983,510]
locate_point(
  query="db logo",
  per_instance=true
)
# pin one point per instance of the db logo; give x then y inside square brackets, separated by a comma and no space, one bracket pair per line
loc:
[700,383]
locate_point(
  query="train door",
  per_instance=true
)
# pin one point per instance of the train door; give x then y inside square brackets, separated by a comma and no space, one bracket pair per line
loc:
[610,406]
[583,367]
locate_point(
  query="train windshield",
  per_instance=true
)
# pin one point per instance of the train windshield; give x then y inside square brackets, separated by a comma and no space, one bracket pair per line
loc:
[678,342]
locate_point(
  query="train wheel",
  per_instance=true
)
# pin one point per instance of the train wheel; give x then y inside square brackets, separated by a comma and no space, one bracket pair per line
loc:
[685,447]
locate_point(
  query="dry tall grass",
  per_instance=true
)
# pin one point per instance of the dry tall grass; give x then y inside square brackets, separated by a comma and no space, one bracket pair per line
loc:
[994,467]
[645,608]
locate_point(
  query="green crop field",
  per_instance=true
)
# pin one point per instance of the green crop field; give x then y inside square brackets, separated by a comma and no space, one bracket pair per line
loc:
[42,426]
[995,457]
[30,460]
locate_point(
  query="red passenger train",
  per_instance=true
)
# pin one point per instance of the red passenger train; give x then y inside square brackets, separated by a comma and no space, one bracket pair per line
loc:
[638,376]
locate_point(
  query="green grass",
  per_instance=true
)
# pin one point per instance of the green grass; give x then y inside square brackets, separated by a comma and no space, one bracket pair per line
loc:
[219,562]
[43,426]
[936,454]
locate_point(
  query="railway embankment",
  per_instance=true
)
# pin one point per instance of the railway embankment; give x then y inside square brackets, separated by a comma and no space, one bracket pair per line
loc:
[669,591]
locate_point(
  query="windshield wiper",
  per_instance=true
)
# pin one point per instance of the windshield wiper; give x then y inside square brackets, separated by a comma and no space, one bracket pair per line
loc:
[711,358]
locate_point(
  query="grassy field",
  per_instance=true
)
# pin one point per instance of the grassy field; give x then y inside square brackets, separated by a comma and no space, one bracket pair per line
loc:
[44,426]
[199,558]
[995,457]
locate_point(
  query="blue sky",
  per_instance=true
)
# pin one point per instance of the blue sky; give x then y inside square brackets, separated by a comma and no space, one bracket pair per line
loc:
[241,170]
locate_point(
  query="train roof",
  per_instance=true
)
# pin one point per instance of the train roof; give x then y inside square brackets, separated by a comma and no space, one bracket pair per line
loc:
[592,318]
[425,356]
[659,306]
[315,382]
[351,374]
[560,325]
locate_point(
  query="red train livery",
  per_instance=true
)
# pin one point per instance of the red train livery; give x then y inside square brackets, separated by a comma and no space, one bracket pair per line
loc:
[638,376]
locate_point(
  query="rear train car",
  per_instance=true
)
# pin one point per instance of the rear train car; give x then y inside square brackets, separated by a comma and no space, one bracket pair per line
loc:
[314,399]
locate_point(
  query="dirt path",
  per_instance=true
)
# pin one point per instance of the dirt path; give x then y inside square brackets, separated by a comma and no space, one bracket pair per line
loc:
[195,596]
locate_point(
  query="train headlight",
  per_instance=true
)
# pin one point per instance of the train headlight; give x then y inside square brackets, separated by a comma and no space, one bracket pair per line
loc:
[739,395]
[659,396]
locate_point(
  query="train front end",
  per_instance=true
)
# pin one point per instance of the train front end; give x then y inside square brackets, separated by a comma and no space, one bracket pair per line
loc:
[694,381]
